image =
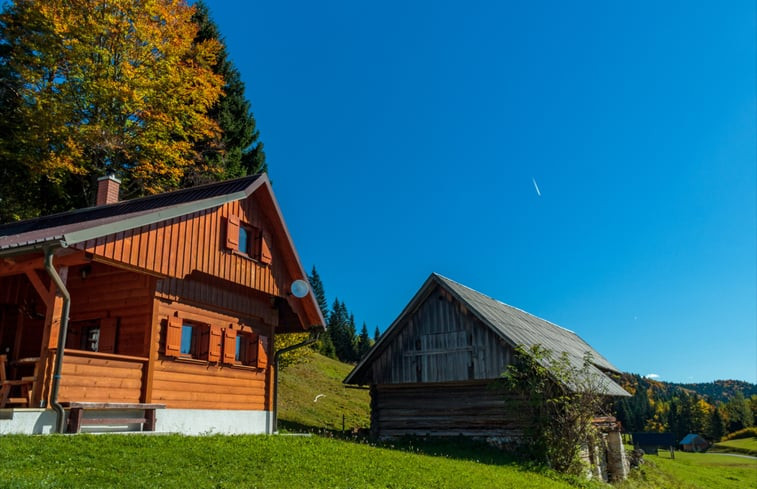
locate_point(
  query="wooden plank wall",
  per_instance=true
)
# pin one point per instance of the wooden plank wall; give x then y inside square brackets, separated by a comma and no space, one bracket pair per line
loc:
[230,299]
[92,377]
[470,409]
[441,342]
[113,292]
[205,385]
[194,243]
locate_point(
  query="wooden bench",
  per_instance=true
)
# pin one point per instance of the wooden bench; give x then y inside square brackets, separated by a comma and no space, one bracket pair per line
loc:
[143,414]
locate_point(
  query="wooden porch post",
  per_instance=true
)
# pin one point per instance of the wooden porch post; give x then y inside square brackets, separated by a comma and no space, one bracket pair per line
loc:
[50,331]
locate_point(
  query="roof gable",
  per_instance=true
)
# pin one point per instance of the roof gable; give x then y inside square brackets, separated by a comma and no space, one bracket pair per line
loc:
[515,326]
[95,229]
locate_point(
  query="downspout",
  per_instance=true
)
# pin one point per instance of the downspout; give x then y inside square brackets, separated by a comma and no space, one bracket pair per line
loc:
[313,338]
[62,333]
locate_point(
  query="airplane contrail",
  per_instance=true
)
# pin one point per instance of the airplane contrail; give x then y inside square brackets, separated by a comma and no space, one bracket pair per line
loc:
[538,192]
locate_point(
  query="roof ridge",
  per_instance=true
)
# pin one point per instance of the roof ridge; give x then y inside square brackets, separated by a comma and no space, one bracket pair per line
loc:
[506,304]
[144,198]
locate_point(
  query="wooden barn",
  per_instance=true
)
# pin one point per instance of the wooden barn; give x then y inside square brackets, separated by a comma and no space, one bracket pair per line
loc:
[171,300]
[432,371]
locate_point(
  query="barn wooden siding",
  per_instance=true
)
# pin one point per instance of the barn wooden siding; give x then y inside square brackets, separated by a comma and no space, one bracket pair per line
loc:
[194,243]
[197,384]
[476,409]
[441,341]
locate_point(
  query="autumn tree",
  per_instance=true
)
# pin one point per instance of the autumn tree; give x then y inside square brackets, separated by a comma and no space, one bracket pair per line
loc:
[95,86]
[239,152]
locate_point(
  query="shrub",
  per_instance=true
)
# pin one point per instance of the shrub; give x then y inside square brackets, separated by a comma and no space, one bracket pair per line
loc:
[745,433]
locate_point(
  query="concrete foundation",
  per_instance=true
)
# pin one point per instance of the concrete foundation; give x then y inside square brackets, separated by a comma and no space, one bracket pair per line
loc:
[182,421]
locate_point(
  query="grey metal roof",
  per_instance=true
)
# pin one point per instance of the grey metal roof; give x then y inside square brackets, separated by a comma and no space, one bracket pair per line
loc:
[82,224]
[516,327]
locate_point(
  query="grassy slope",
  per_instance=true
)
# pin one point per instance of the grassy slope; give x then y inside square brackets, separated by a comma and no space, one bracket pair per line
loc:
[747,446]
[301,383]
[703,471]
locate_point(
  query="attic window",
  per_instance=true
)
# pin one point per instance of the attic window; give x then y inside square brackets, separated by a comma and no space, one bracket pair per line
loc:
[249,241]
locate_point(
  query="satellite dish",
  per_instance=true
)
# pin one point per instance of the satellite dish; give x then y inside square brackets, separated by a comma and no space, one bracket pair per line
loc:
[300,288]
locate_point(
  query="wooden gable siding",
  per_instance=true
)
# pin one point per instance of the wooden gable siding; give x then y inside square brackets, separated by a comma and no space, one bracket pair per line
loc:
[476,409]
[110,292]
[441,342]
[194,243]
[206,385]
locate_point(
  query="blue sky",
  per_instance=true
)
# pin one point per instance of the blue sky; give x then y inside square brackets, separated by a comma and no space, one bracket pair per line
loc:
[406,139]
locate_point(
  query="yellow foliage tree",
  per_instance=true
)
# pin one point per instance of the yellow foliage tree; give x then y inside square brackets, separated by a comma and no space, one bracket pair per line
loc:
[110,86]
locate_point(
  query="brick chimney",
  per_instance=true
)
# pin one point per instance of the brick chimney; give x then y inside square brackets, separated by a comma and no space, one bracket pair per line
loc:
[107,190]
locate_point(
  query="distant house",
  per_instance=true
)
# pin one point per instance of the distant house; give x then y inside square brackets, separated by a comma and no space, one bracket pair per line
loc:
[172,299]
[431,372]
[694,443]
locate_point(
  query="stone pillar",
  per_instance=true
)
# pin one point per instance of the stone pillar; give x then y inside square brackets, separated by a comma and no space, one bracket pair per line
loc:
[617,464]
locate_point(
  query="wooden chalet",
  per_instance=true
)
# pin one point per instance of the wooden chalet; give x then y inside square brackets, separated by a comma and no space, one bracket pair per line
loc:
[432,372]
[172,299]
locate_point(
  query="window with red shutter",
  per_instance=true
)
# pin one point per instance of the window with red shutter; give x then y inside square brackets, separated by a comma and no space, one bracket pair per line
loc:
[229,346]
[214,346]
[173,337]
[262,348]
[232,232]
[266,256]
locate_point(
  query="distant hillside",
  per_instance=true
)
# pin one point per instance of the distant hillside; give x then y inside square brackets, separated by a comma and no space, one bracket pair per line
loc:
[321,378]
[721,390]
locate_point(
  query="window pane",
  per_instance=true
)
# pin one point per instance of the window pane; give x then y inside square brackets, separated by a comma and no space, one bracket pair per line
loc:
[186,339]
[244,238]
[239,348]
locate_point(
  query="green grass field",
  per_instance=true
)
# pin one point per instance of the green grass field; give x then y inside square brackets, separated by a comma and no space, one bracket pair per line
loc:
[701,471]
[136,461]
[746,446]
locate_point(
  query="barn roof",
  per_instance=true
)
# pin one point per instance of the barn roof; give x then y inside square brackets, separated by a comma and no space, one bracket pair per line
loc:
[515,326]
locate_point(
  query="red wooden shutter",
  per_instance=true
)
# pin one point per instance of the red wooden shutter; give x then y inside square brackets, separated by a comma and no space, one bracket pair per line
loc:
[232,232]
[203,344]
[107,341]
[251,358]
[173,337]
[229,345]
[262,352]
[214,348]
[265,249]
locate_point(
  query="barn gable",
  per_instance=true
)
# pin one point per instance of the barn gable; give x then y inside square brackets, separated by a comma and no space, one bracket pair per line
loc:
[449,332]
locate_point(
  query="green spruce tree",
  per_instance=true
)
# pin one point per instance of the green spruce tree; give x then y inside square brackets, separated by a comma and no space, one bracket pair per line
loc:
[363,342]
[376,334]
[318,291]
[240,152]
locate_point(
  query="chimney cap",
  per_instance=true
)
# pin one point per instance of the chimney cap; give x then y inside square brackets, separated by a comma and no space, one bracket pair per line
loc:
[109,176]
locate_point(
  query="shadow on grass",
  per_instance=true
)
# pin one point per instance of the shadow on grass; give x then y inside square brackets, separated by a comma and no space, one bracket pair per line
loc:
[459,448]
